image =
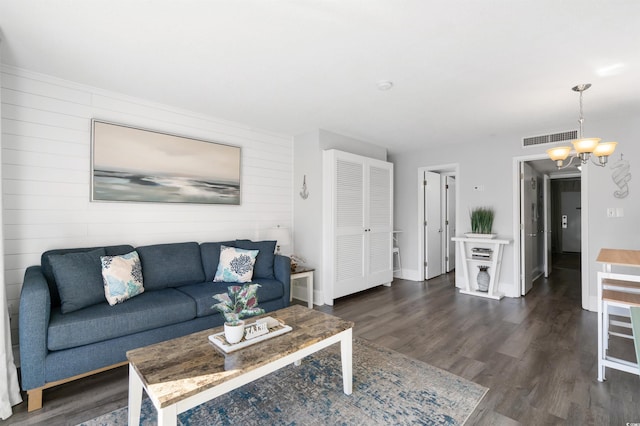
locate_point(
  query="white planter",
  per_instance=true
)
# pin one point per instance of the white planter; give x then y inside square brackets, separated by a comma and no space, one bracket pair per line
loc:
[472,235]
[234,333]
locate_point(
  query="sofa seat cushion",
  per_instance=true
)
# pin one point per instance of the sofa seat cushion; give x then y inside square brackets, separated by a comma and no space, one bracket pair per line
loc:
[100,322]
[203,294]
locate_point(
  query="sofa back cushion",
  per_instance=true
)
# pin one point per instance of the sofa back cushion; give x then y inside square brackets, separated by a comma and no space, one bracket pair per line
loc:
[79,279]
[211,257]
[263,267]
[170,265]
[47,270]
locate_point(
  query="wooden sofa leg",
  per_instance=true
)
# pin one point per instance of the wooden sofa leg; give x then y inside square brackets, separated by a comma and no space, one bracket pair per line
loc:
[35,399]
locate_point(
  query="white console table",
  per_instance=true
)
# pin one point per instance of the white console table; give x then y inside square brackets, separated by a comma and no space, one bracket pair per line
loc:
[468,262]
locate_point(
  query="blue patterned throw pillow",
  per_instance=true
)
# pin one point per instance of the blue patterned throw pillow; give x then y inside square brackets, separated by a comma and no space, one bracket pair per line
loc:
[235,265]
[122,277]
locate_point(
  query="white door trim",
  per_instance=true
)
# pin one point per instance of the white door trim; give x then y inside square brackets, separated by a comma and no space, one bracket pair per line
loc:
[584,195]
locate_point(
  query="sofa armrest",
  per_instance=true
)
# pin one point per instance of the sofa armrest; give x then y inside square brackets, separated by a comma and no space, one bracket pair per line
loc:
[35,311]
[282,272]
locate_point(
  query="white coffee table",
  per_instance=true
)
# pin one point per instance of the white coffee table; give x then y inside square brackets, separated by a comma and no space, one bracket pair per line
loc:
[182,373]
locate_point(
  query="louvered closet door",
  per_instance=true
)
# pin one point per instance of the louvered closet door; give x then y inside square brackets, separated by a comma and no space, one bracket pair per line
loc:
[349,228]
[380,224]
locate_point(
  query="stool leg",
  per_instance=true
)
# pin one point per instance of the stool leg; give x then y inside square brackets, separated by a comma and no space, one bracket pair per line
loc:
[396,252]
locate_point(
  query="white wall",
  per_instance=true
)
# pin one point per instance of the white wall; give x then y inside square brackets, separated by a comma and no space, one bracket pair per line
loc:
[307,219]
[489,162]
[46,145]
[619,232]
[308,149]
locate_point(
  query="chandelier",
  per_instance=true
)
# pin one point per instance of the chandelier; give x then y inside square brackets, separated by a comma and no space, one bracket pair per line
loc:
[584,147]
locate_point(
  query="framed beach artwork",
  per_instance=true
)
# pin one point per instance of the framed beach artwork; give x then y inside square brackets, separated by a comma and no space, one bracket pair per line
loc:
[132,164]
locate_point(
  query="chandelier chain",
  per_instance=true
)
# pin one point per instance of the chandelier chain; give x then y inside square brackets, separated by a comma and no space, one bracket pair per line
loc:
[581,119]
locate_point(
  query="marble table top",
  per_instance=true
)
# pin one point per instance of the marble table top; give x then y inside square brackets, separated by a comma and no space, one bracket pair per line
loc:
[179,368]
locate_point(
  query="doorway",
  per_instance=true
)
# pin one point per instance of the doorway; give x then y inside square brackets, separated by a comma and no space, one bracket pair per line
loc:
[566,231]
[437,213]
[549,219]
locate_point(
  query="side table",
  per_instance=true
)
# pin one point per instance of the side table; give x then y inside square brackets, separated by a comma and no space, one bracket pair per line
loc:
[303,273]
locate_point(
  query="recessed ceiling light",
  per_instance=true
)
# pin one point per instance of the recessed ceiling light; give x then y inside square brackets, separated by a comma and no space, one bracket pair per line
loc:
[385,85]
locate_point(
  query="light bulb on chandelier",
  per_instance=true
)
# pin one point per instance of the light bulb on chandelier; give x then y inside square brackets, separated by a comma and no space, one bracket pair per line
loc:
[584,147]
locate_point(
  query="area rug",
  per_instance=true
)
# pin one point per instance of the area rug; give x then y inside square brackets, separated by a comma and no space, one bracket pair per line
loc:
[388,388]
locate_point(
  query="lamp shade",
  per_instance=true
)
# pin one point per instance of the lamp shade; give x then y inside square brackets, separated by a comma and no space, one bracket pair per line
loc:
[281,235]
[585,145]
[605,149]
[559,153]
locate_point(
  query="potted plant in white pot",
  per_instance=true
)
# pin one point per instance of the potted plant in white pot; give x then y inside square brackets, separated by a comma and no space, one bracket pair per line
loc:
[481,222]
[239,302]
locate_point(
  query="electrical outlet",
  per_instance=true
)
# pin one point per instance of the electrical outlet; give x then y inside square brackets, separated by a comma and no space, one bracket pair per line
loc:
[478,187]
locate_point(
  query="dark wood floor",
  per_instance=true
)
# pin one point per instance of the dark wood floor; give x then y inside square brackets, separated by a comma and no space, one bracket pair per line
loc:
[537,354]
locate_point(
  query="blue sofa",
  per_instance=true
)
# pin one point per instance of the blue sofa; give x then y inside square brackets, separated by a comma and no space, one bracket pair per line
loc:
[58,347]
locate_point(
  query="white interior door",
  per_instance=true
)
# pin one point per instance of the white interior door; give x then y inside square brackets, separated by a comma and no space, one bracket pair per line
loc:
[450,222]
[380,223]
[528,226]
[432,225]
[349,228]
[546,200]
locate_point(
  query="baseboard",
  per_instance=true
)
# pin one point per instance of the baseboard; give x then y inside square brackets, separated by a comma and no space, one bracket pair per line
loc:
[408,274]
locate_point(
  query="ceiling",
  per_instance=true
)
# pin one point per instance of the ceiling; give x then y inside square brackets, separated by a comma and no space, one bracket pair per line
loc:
[460,69]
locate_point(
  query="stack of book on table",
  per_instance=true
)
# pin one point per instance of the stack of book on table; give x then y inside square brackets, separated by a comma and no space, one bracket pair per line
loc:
[481,253]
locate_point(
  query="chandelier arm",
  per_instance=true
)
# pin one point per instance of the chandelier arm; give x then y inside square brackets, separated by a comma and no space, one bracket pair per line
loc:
[568,164]
[599,163]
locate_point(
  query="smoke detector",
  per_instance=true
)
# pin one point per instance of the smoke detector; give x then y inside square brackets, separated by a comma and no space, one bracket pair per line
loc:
[385,85]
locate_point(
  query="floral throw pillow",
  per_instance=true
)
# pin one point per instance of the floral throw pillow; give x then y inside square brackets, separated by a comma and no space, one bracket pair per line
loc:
[122,277]
[235,265]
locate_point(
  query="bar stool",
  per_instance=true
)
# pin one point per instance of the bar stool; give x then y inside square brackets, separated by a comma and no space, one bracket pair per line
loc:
[396,252]
[635,324]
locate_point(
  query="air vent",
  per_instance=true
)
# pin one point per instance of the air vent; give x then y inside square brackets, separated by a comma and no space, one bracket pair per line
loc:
[553,138]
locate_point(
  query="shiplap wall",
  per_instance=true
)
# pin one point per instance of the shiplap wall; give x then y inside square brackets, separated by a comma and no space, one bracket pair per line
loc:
[46,148]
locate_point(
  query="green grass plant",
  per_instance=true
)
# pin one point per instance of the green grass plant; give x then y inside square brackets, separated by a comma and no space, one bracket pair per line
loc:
[482,220]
